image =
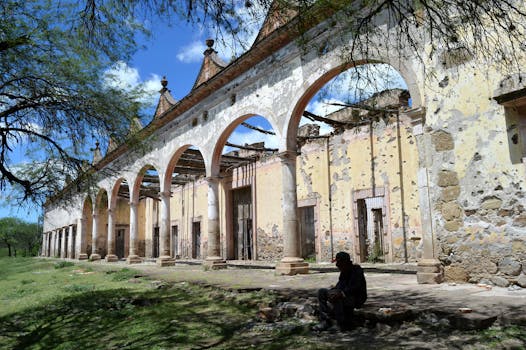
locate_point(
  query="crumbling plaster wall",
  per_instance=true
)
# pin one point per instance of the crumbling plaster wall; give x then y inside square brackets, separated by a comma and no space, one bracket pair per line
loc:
[269,223]
[478,186]
[354,167]
[189,204]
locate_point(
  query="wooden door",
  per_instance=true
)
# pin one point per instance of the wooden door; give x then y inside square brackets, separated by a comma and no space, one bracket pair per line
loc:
[242,225]
[307,232]
[119,243]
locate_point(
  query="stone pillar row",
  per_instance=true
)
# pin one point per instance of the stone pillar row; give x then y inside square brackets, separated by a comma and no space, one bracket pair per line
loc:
[291,263]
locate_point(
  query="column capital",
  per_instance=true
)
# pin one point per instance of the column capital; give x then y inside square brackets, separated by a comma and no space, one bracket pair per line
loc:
[165,194]
[216,178]
[287,156]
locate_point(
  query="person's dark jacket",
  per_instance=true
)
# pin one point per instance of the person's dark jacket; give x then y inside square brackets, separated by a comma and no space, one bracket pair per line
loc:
[352,283]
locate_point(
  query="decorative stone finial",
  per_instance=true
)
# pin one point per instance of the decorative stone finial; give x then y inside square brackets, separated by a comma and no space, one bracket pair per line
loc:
[209,43]
[164,83]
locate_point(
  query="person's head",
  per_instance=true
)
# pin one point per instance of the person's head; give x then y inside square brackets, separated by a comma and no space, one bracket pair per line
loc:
[343,261]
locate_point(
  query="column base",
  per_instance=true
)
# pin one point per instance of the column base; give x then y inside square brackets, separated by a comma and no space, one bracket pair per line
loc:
[429,271]
[292,266]
[134,259]
[111,258]
[163,261]
[214,263]
[94,257]
[83,256]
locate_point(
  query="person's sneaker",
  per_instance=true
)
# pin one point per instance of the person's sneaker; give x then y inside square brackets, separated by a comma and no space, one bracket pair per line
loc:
[322,326]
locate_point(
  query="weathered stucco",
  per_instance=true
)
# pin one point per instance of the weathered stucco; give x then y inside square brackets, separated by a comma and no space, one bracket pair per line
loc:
[449,169]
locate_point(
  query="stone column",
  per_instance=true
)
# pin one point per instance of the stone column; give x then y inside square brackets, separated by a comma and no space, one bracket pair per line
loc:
[94,235]
[213,259]
[71,249]
[164,258]
[44,241]
[63,247]
[291,263]
[133,258]
[429,268]
[53,243]
[81,241]
[111,257]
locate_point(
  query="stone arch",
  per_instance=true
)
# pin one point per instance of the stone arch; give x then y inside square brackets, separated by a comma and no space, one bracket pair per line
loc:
[169,169]
[317,81]
[383,195]
[182,231]
[225,133]
[119,205]
[238,221]
[100,209]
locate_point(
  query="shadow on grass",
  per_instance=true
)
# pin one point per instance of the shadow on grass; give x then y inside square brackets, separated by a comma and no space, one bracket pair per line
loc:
[124,319]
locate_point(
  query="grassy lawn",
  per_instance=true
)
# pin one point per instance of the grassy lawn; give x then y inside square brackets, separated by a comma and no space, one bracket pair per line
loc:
[50,305]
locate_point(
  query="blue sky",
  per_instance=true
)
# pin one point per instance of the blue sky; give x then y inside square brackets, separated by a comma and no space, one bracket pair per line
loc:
[176,52]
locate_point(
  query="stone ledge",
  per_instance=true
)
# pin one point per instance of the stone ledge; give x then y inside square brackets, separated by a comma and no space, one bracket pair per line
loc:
[292,268]
[133,259]
[111,258]
[164,261]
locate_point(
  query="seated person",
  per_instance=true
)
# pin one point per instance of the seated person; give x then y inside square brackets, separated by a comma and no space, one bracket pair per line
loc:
[339,302]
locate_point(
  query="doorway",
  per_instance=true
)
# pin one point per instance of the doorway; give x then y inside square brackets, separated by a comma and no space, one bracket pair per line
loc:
[119,243]
[196,240]
[371,229]
[242,223]
[74,243]
[155,250]
[307,232]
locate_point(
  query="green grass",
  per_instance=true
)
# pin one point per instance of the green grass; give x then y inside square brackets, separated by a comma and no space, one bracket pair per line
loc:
[45,307]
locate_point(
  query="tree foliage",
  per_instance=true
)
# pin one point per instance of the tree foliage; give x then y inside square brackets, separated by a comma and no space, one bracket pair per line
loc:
[54,96]
[18,235]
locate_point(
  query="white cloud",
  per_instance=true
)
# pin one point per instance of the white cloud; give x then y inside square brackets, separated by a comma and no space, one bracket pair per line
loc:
[121,76]
[227,45]
[192,52]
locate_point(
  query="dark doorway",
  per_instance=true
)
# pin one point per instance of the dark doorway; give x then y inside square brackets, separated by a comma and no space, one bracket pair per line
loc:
[362,229]
[59,251]
[66,241]
[196,240]
[49,244]
[155,250]
[119,243]
[74,243]
[242,225]
[307,236]
[175,241]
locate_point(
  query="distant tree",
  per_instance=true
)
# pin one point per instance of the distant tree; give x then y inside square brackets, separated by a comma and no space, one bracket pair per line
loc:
[8,228]
[19,235]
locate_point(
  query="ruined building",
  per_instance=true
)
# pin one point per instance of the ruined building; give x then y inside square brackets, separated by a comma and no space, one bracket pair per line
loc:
[433,175]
